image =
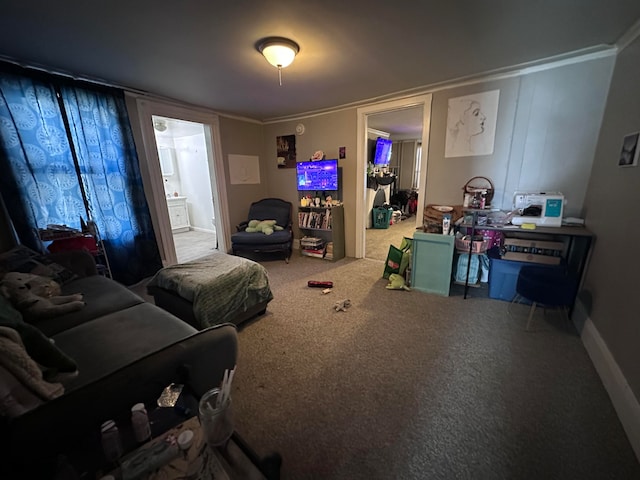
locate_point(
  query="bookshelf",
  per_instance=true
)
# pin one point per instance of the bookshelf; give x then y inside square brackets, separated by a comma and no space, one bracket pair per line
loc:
[322,232]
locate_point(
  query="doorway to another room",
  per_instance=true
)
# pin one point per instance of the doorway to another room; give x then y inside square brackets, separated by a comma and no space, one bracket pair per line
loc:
[187,186]
[400,181]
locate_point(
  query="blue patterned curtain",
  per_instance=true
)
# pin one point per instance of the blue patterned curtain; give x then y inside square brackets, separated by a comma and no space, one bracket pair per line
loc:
[44,176]
[39,181]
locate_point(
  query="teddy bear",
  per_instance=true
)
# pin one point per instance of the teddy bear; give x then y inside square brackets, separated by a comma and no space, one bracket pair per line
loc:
[38,297]
[265,226]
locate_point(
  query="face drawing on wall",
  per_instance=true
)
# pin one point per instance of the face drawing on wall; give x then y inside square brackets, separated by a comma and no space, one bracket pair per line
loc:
[473,119]
[468,129]
[470,124]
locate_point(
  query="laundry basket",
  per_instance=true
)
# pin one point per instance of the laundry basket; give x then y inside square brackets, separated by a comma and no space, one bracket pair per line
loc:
[381,217]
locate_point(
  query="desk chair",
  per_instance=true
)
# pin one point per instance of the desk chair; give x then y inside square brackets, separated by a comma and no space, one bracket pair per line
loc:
[546,286]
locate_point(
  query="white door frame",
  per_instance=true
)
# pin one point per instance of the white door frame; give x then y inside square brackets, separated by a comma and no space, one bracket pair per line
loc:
[146,109]
[361,155]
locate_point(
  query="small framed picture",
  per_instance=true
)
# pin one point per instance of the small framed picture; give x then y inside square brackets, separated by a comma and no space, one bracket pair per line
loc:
[630,150]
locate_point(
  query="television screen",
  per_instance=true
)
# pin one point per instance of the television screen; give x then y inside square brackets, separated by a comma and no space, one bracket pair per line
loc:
[382,153]
[319,175]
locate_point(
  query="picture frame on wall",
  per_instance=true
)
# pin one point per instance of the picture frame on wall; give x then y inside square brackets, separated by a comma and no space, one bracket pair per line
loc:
[286,151]
[630,150]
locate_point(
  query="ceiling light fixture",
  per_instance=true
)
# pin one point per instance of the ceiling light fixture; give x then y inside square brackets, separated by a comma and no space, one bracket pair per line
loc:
[160,125]
[279,52]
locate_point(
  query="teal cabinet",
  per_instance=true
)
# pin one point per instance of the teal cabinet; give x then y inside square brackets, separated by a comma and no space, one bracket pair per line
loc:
[432,257]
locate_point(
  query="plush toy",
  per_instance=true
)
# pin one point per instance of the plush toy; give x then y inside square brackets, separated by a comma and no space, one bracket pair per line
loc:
[38,297]
[265,226]
[396,282]
[342,305]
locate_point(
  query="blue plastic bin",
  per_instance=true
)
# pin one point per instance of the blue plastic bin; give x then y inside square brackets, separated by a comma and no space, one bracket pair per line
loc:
[503,275]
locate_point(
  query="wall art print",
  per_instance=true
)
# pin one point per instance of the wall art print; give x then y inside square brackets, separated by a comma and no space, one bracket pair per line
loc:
[471,124]
[630,150]
[286,149]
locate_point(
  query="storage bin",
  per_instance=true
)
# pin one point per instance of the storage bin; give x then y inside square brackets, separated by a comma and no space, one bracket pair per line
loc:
[503,275]
[381,217]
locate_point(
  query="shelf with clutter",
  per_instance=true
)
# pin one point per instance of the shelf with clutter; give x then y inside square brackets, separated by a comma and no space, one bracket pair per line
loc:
[61,238]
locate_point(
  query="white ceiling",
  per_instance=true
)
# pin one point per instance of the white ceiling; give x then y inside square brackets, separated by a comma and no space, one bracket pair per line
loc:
[203,52]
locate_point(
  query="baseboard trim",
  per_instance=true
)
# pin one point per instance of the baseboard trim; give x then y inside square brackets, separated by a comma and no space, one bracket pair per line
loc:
[622,397]
[203,230]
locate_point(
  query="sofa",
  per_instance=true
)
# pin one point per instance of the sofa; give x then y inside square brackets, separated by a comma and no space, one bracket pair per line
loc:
[126,351]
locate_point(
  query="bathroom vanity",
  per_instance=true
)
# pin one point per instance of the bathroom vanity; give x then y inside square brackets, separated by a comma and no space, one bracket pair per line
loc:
[178,214]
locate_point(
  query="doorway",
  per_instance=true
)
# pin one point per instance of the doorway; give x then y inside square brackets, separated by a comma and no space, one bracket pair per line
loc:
[184,180]
[185,174]
[373,118]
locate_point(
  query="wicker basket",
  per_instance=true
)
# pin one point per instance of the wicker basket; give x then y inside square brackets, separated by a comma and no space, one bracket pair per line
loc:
[476,184]
[479,246]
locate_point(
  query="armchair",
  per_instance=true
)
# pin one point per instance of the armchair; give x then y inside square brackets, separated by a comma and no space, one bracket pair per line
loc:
[278,242]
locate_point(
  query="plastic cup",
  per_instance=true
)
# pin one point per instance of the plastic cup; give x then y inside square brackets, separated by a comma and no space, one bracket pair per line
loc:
[215,419]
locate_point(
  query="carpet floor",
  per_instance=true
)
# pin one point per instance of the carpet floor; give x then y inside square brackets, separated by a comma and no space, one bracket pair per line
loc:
[409,385]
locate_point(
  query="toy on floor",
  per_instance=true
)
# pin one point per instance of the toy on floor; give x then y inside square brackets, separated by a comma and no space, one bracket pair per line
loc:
[319,284]
[342,305]
[17,287]
[396,282]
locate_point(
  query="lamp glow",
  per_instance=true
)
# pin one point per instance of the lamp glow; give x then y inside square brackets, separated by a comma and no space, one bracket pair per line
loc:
[279,52]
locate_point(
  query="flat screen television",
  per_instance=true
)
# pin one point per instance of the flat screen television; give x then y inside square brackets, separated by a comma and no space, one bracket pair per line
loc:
[382,152]
[318,175]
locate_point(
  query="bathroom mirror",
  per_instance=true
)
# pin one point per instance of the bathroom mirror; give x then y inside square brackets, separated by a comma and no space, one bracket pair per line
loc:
[166,160]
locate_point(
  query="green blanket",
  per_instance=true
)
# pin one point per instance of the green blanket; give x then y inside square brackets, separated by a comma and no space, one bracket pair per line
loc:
[220,286]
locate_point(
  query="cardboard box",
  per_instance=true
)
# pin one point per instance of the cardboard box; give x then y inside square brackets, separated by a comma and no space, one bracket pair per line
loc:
[534,251]
[532,258]
[535,244]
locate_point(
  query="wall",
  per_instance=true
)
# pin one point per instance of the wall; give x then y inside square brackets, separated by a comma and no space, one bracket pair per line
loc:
[240,137]
[610,295]
[546,132]
[195,182]
[324,132]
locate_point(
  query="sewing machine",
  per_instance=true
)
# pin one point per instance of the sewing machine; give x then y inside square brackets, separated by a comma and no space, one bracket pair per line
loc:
[542,209]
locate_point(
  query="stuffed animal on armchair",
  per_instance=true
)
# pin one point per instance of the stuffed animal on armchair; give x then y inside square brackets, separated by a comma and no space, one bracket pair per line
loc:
[38,297]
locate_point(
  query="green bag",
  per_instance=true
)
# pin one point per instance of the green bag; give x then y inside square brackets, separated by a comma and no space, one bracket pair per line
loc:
[398,259]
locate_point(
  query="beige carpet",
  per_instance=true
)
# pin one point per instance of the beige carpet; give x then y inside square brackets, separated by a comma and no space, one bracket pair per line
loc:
[408,385]
[377,240]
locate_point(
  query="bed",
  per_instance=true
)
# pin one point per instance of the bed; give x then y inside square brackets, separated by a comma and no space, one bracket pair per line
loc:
[215,289]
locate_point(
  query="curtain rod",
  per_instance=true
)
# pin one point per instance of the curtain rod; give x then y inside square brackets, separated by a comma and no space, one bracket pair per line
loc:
[42,69]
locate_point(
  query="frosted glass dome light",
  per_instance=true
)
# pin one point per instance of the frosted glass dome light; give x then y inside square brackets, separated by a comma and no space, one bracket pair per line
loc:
[279,52]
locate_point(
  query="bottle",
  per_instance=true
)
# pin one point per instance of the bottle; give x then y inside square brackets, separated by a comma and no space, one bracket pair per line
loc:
[140,422]
[111,442]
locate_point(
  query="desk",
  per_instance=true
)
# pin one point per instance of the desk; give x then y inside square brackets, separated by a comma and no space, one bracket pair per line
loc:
[578,241]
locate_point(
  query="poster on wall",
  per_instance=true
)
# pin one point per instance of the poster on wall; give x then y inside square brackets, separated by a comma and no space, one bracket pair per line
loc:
[630,151]
[471,124]
[244,169]
[286,148]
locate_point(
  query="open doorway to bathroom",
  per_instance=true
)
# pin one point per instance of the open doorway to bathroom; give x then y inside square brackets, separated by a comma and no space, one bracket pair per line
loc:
[187,187]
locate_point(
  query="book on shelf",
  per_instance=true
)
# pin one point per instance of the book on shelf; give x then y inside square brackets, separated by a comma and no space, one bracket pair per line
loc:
[319,253]
[329,251]
[317,220]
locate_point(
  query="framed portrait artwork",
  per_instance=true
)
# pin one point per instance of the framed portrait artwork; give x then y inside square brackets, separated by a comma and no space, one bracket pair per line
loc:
[629,153]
